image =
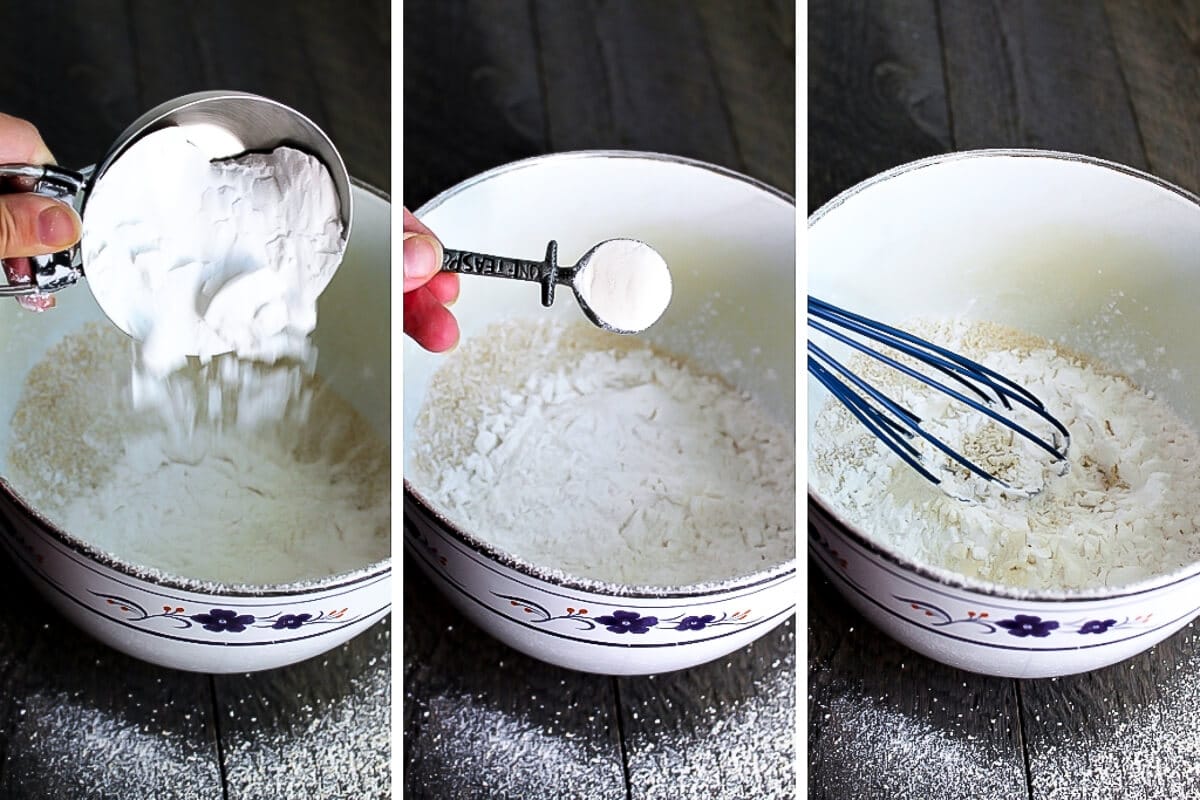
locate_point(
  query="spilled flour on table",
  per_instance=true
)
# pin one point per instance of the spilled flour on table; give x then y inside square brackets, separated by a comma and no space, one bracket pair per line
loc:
[289,501]
[605,458]
[1124,511]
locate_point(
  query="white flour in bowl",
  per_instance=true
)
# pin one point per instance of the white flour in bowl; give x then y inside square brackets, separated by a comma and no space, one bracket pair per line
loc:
[604,458]
[1123,512]
[293,501]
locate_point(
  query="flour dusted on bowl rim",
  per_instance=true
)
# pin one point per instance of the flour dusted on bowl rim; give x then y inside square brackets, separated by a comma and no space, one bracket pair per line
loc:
[604,458]
[1123,512]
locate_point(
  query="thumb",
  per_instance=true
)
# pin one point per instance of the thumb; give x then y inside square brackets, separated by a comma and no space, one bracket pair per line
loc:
[422,259]
[31,225]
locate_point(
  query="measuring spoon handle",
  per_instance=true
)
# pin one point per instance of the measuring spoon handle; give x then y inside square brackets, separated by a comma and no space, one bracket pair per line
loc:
[52,271]
[546,272]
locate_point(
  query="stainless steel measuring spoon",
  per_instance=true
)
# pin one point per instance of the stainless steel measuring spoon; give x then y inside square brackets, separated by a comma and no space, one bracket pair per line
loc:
[549,274]
[249,122]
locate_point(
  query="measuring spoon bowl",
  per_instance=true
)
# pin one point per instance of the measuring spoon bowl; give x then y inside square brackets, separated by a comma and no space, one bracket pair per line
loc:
[579,278]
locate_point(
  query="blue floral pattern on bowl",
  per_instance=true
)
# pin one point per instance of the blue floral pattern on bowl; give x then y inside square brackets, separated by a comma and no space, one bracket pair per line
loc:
[1028,625]
[222,620]
[621,621]
[1020,625]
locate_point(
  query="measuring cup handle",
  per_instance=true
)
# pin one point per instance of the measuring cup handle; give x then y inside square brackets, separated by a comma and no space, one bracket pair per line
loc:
[546,272]
[52,271]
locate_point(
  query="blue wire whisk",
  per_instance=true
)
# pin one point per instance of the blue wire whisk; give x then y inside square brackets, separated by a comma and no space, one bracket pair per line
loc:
[960,378]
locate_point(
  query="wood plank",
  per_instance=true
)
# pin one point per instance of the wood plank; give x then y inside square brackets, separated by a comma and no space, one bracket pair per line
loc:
[321,728]
[349,48]
[329,60]
[887,723]
[1122,732]
[722,729]
[472,97]
[484,722]
[875,91]
[753,47]
[78,719]
[1032,74]
[1159,48]
[631,75]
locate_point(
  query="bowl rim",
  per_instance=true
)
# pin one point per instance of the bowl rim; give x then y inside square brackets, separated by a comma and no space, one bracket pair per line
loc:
[160,578]
[526,568]
[941,575]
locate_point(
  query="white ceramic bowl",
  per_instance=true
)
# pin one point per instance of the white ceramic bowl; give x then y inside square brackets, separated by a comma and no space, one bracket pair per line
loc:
[155,618]
[730,242]
[1050,243]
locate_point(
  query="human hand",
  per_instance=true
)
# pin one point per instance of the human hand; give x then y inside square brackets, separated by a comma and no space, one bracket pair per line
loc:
[30,224]
[427,290]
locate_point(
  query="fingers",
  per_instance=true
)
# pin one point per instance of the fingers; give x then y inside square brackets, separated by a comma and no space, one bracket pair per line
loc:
[427,290]
[20,142]
[444,286]
[428,321]
[19,271]
[422,259]
[23,230]
[422,253]
[31,225]
[414,225]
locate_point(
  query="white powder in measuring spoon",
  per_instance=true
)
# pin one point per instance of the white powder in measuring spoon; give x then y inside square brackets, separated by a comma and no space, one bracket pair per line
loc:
[626,284]
[605,459]
[1124,511]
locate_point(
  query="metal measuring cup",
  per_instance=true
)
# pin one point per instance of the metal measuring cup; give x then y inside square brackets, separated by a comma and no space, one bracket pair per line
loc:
[256,123]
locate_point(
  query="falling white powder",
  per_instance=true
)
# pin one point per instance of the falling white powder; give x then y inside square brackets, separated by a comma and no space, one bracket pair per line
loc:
[626,284]
[605,459]
[1124,511]
[291,502]
[194,257]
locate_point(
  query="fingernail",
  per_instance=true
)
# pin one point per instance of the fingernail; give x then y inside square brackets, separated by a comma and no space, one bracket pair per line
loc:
[58,227]
[422,256]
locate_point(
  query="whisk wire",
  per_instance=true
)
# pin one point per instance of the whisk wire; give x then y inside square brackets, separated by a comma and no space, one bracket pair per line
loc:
[967,373]
[1003,386]
[872,419]
[878,420]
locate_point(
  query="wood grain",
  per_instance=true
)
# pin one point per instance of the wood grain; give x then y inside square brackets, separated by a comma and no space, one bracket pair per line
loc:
[320,728]
[724,729]
[484,721]
[1159,48]
[884,722]
[650,83]
[876,92]
[757,84]
[78,719]
[1044,75]
[472,94]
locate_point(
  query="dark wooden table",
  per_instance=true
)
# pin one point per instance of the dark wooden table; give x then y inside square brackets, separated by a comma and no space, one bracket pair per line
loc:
[497,80]
[895,80]
[78,720]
